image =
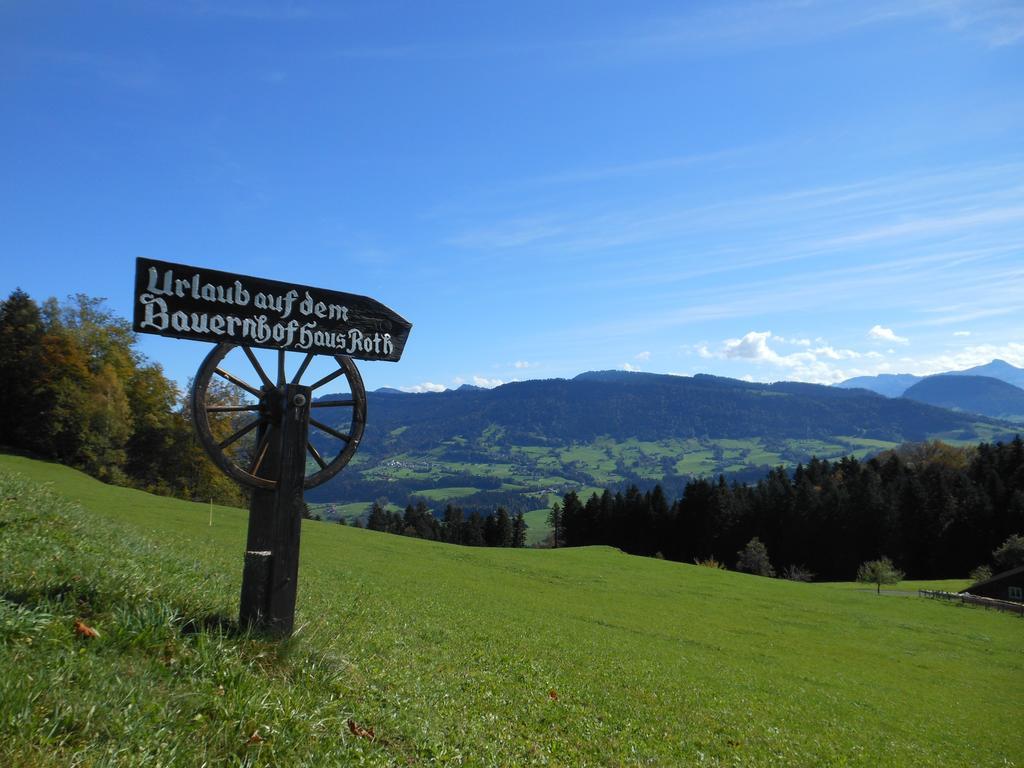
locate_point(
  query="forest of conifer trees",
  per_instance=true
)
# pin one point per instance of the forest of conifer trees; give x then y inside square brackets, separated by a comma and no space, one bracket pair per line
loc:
[936,510]
[499,529]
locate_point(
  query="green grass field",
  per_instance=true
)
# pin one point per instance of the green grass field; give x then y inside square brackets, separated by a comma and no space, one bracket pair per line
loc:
[460,656]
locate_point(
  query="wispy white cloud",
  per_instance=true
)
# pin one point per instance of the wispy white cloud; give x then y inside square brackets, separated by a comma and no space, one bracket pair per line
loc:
[976,314]
[629,367]
[486,383]
[968,357]
[819,365]
[962,334]
[523,364]
[913,210]
[998,22]
[724,27]
[510,234]
[699,30]
[426,386]
[881,333]
[815,365]
[637,168]
[643,356]
[794,342]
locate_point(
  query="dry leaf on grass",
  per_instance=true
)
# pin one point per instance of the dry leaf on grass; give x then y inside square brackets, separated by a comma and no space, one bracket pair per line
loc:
[84,629]
[358,730]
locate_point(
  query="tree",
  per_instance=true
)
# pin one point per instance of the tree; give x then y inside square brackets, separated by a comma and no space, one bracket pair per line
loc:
[21,333]
[377,521]
[555,523]
[519,527]
[502,528]
[453,524]
[981,573]
[573,531]
[152,398]
[879,572]
[1010,554]
[474,530]
[753,558]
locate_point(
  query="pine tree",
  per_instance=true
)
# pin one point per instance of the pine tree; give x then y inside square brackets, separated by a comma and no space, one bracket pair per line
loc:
[519,531]
[377,521]
[555,524]
[474,530]
[21,334]
[502,528]
[453,525]
[753,558]
[574,528]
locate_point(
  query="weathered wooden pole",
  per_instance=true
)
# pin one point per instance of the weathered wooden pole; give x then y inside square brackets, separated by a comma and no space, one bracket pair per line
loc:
[271,572]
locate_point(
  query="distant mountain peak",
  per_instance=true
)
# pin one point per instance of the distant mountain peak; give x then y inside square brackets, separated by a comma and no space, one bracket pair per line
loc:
[896,384]
[986,395]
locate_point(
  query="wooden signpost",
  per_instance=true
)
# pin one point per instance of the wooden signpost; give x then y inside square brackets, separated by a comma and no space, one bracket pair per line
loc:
[241,312]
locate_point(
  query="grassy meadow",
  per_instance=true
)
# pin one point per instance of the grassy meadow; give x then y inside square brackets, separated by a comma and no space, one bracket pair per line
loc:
[416,653]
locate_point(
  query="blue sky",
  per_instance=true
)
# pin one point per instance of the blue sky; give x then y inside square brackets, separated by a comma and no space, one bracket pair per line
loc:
[780,190]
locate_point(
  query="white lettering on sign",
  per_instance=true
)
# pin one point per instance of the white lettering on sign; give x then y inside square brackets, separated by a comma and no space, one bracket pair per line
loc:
[214,306]
[167,284]
[261,330]
[322,310]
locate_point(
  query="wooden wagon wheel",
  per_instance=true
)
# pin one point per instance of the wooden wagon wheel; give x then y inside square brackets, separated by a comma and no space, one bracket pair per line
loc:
[269,411]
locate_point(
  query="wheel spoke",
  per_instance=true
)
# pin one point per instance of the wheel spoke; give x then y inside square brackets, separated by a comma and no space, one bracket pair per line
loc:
[316,455]
[261,452]
[330,430]
[280,367]
[259,368]
[302,368]
[238,382]
[329,377]
[231,408]
[239,434]
[332,403]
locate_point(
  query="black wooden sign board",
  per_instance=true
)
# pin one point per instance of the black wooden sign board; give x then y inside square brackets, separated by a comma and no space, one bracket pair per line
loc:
[185,302]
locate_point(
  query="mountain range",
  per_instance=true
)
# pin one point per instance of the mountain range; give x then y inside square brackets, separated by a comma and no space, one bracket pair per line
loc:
[895,384]
[521,444]
[995,389]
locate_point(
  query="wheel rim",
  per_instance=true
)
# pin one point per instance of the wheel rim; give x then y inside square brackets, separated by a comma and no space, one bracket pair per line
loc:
[245,468]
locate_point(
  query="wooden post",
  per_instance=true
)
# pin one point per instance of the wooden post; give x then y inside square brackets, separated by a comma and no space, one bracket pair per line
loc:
[270,576]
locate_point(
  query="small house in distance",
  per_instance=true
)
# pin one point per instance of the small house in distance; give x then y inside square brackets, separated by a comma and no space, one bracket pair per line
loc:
[1008,585]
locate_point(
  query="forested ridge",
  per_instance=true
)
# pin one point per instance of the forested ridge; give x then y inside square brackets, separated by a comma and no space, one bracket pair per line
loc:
[936,510]
[655,406]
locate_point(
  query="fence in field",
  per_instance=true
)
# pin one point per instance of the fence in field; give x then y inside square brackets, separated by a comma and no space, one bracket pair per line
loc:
[987,602]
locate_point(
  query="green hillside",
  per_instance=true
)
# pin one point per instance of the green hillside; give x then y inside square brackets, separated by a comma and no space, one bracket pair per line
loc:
[458,656]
